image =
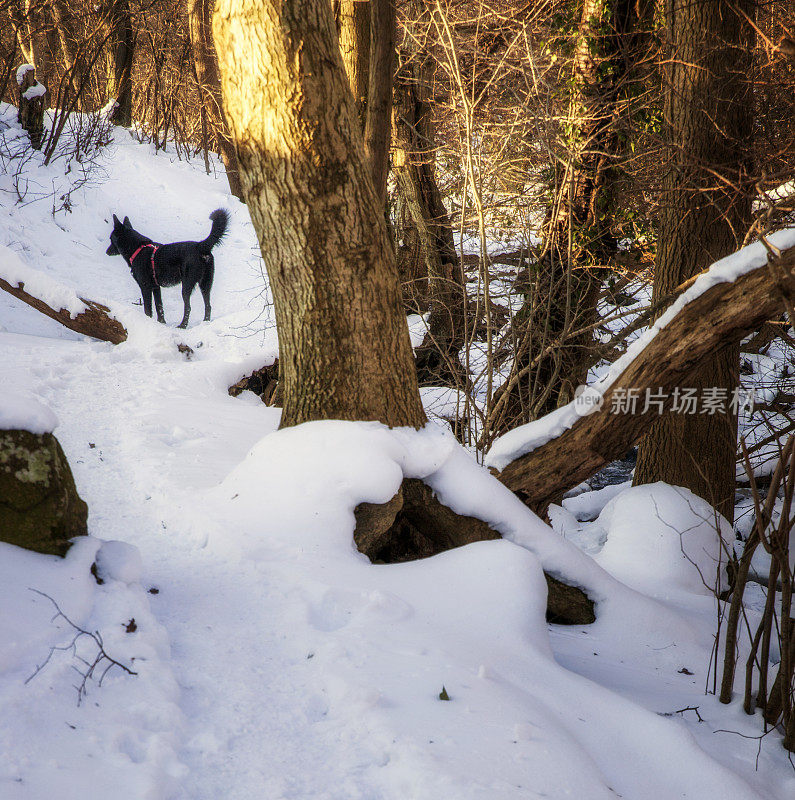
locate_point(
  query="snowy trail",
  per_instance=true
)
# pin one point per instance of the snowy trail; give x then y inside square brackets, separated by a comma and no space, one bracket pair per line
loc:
[212,609]
[239,674]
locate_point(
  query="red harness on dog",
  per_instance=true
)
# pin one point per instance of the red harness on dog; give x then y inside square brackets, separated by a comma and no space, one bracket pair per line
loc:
[154,250]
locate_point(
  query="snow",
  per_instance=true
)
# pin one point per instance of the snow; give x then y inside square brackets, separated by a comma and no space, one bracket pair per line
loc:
[529,437]
[121,740]
[32,92]
[56,295]
[119,561]
[22,71]
[22,411]
[662,539]
[272,659]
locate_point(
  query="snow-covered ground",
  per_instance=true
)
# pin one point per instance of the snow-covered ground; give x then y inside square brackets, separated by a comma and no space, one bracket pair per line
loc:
[272,660]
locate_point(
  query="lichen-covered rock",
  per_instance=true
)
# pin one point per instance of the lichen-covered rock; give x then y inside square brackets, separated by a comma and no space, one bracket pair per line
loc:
[39,505]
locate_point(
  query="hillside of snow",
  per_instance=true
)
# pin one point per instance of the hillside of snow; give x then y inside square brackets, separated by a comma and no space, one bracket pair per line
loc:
[271,660]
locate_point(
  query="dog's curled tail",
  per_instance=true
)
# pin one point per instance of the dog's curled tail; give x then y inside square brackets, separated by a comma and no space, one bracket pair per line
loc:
[220,219]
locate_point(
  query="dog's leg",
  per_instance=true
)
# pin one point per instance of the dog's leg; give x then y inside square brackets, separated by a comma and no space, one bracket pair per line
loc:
[158,304]
[146,295]
[187,289]
[205,284]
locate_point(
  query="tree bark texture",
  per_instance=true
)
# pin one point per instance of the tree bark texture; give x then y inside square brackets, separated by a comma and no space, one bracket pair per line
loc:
[713,322]
[200,29]
[30,113]
[707,119]
[354,38]
[378,122]
[64,24]
[344,349]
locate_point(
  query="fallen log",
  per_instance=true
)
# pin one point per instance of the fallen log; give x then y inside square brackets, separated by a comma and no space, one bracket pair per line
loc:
[416,524]
[542,460]
[95,321]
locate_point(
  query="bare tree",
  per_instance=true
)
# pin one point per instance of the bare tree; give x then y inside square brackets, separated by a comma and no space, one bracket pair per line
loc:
[563,285]
[199,26]
[414,163]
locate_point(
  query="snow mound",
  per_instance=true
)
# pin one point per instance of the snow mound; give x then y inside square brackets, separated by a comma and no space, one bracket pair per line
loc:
[663,539]
[118,736]
[119,561]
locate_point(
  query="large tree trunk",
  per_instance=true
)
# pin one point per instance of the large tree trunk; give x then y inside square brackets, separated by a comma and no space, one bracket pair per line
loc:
[199,26]
[706,212]
[577,240]
[344,349]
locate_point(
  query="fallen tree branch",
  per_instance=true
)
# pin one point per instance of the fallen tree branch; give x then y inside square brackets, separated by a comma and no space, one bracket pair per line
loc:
[95,321]
[90,667]
[717,317]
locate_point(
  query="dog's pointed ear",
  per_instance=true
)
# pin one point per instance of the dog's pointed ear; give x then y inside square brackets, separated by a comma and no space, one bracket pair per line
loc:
[127,223]
[116,223]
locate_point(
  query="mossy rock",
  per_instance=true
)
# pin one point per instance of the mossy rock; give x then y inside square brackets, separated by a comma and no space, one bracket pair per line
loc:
[39,506]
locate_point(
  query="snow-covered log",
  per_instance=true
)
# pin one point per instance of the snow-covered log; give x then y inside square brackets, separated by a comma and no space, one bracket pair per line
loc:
[543,459]
[94,320]
[57,301]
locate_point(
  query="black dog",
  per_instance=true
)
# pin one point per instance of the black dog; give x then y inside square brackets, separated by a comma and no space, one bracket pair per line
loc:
[154,265]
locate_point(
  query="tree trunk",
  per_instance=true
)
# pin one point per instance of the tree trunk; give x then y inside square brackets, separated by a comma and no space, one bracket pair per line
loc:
[344,350]
[577,238]
[378,122]
[199,26]
[95,321]
[64,24]
[707,211]
[22,31]
[122,42]
[354,38]
[32,101]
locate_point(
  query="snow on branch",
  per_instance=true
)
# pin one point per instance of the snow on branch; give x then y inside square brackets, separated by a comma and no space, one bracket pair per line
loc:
[541,460]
